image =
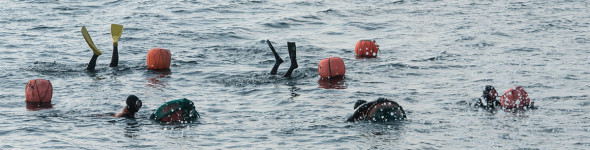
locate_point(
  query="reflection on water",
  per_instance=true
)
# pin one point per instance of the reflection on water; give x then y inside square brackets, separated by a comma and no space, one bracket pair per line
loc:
[38,106]
[381,135]
[293,90]
[155,78]
[132,128]
[333,83]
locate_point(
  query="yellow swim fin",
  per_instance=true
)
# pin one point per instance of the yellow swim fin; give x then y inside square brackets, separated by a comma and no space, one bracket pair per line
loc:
[116,31]
[89,41]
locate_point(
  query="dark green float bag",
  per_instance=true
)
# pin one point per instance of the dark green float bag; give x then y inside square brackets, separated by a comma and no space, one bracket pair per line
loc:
[180,110]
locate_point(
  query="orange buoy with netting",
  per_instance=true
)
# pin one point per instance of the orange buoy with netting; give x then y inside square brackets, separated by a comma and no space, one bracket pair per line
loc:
[158,58]
[366,48]
[38,91]
[331,67]
[515,98]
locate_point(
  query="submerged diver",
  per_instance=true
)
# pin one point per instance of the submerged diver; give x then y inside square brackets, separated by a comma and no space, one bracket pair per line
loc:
[513,98]
[278,60]
[133,106]
[380,110]
[116,31]
[176,111]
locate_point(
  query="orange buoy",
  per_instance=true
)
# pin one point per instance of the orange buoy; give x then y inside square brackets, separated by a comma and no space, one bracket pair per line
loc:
[158,58]
[331,67]
[366,48]
[38,91]
[515,98]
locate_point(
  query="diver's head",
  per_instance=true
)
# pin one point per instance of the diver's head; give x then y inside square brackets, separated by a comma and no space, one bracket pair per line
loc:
[359,103]
[133,104]
[489,94]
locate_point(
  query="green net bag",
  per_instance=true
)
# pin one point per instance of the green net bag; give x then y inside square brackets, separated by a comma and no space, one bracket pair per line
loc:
[180,110]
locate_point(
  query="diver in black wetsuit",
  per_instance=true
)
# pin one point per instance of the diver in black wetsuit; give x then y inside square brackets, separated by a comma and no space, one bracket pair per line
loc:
[116,31]
[380,110]
[513,98]
[489,98]
[133,106]
[114,59]
[278,59]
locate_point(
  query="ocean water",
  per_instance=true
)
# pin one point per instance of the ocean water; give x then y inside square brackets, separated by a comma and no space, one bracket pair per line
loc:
[435,57]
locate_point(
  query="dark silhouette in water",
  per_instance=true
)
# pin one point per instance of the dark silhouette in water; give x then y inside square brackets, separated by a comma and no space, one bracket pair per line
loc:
[278,60]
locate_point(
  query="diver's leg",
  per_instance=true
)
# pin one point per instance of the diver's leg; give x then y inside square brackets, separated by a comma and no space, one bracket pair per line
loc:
[115,58]
[278,59]
[92,62]
[293,58]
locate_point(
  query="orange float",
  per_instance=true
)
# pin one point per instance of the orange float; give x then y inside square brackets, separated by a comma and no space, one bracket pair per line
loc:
[158,58]
[515,98]
[38,91]
[366,48]
[331,67]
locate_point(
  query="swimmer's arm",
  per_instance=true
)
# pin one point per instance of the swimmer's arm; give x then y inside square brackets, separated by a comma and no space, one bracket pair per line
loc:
[123,113]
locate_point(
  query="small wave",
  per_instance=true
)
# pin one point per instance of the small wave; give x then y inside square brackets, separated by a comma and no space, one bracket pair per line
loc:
[63,70]
[396,2]
[42,27]
[586,103]
[182,11]
[277,25]
[22,20]
[43,2]
[332,12]
[442,56]
[252,78]
[311,17]
[63,8]
[481,44]
[526,49]
[501,34]
[581,97]
[367,26]
[582,40]
[333,33]
[466,38]
[113,2]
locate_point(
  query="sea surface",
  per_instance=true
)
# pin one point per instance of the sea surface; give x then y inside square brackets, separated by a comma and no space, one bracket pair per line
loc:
[435,58]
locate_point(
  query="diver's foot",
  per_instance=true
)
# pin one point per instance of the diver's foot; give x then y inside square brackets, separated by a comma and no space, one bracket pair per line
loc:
[292,55]
[92,62]
[115,57]
[278,59]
